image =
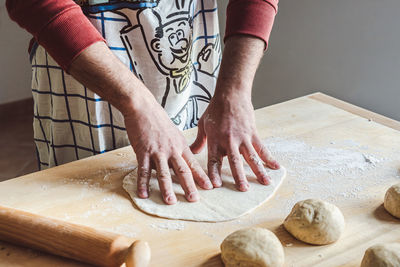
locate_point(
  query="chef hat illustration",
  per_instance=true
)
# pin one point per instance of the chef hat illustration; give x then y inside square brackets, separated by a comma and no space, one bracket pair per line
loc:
[172,11]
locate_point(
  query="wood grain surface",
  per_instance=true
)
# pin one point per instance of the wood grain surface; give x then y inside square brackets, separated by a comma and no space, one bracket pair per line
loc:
[89,192]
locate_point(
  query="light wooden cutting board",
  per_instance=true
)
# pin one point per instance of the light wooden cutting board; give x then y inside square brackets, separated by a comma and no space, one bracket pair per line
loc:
[90,192]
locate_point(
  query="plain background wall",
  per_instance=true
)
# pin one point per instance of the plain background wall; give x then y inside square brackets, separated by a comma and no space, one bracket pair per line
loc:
[347,49]
[15,71]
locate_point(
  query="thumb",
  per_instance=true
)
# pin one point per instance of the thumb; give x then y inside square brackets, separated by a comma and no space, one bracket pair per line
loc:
[200,141]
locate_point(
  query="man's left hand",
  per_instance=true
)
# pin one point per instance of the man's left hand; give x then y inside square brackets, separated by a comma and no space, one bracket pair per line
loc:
[228,124]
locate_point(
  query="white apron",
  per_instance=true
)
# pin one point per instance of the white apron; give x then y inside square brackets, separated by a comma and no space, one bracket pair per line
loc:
[173,46]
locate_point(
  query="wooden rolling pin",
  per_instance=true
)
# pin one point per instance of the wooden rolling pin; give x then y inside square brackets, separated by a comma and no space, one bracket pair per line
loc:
[70,240]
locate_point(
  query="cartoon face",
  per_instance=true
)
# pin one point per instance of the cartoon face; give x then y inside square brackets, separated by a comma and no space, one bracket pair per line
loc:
[172,43]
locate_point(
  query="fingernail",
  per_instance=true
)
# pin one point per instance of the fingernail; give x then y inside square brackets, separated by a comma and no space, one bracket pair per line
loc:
[266,180]
[217,183]
[193,196]
[171,199]
[275,165]
[208,185]
[243,187]
[143,194]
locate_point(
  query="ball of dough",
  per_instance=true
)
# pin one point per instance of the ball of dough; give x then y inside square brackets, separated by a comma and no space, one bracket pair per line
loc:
[315,222]
[392,200]
[382,255]
[253,247]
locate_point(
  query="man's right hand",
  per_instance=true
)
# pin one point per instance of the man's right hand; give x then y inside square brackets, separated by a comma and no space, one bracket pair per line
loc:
[158,144]
[156,141]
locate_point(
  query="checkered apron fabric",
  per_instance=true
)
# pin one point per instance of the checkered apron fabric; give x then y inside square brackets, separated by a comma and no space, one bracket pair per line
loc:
[172,46]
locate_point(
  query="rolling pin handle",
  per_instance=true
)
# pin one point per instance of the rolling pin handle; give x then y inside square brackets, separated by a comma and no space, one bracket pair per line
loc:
[138,254]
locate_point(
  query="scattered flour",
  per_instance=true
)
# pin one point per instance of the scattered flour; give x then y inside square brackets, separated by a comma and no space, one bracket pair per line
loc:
[172,225]
[124,229]
[123,155]
[328,173]
[339,171]
[209,234]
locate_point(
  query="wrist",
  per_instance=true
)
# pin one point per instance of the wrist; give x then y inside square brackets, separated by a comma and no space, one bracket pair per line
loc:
[233,91]
[231,95]
[138,100]
[241,57]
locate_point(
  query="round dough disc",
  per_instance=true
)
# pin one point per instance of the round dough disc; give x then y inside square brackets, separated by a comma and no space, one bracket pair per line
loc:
[216,205]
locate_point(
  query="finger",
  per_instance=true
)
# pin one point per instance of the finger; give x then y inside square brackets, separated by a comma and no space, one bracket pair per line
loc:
[198,173]
[164,179]
[236,164]
[255,163]
[214,165]
[265,155]
[200,141]
[185,178]
[143,174]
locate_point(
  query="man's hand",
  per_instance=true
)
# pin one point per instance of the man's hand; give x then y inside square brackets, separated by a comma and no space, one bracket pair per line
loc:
[228,124]
[156,141]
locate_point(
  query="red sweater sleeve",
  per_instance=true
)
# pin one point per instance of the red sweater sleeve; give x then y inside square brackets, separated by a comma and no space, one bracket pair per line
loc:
[251,17]
[58,25]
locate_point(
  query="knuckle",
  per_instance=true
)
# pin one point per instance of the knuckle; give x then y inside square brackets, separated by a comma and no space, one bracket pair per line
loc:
[212,172]
[142,186]
[167,193]
[240,179]
[192,163]
[153,150]
[261,173]
[144,172]
[203,180]
[255,159]
[164,176]
[235,159]
[214,161]
[264,151]
[175,154]
[190,190]
[182,170]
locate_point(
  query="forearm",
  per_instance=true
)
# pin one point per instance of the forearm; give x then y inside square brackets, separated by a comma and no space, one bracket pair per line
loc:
[102,72]
[241,57]
[231,109]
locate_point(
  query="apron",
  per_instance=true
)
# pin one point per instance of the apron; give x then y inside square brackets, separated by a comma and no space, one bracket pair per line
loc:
[173,46]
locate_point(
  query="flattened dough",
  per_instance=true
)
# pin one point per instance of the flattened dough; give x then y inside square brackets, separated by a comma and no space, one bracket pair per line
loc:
[216,205]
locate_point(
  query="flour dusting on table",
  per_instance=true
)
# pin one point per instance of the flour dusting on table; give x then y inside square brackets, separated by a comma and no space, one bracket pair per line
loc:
[172,225]
[328,172]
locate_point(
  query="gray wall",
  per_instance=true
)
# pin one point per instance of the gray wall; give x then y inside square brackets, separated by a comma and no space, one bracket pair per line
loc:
[15,71]
[346,48]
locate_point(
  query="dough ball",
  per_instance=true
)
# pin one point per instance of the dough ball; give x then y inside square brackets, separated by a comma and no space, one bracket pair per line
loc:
[392,200]
[252,247]
[382,255]
[315,222]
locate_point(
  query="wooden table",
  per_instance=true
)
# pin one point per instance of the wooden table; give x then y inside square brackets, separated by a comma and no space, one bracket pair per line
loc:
[89,192]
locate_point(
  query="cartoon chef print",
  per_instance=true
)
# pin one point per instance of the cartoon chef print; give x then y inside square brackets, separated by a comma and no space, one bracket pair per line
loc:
[169,49]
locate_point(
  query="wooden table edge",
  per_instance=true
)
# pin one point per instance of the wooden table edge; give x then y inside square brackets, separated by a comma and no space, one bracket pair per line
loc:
[391,123]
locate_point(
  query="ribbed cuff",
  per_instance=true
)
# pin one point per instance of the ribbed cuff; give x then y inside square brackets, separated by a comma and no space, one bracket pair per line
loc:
[250,17]
[67,35]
